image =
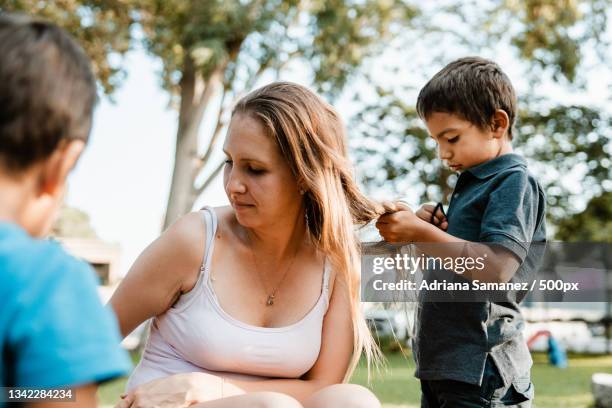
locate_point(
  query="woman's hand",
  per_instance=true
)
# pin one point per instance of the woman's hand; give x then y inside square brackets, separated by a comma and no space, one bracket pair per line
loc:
[176,391]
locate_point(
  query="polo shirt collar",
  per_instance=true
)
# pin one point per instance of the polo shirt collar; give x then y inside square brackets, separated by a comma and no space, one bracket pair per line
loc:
[491,167]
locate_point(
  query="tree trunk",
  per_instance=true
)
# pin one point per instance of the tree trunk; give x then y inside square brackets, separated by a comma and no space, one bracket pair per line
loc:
[196,93]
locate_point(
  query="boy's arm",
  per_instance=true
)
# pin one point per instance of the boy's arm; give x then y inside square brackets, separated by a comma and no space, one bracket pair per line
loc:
[514,210]
[406,226]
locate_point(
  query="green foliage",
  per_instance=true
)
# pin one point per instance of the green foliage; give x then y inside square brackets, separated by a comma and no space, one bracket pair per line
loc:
[333,37]
[102,27]
[393,150]
[241,40]
[551,34]
[210,33]
[547,39]
[568,146]
[344,31]
[594,224]
[73,223]
[567,140]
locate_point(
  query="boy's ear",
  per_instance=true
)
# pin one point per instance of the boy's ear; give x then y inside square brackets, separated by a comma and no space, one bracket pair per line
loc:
[56,168]
[500,123]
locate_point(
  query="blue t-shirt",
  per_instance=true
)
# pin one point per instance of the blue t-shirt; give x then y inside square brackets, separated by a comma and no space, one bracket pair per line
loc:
[54,331]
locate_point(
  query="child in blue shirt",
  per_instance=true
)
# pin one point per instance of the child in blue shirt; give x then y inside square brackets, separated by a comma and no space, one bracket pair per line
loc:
[472,353]
[54,331]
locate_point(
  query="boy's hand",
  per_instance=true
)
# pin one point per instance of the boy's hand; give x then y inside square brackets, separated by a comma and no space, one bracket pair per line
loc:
[439,220]
[394,206]
[399,224]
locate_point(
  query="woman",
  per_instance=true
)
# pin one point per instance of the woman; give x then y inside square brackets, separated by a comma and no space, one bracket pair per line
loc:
[259,302]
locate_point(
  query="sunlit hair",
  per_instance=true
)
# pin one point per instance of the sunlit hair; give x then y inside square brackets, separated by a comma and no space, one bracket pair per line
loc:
[311,137]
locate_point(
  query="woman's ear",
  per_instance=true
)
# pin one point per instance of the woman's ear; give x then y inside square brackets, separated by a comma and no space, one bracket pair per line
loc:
[501,123]
[56,168]
[302,186]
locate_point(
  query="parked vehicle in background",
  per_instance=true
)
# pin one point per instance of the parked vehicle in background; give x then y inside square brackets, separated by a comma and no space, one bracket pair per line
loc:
[392,328]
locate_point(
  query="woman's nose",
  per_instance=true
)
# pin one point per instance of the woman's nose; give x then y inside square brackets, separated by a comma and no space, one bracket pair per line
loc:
[234,183]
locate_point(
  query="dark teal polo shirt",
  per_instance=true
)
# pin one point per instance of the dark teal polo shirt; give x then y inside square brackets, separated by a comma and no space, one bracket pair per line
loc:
[498,202]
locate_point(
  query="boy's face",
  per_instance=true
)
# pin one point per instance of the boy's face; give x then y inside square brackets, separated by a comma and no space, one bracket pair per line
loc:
[49,178]
[461,144]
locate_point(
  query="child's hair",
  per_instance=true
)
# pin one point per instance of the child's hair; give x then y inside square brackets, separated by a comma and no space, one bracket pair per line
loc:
[472,88]
[47,91]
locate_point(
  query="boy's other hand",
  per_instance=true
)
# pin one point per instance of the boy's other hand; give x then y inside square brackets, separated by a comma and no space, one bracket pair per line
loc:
[394,206]
[425,213]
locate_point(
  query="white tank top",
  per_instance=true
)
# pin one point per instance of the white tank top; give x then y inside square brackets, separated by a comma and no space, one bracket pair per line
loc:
[197,335]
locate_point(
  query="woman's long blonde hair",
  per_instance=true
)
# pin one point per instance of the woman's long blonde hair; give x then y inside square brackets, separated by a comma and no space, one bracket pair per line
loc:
[311,137]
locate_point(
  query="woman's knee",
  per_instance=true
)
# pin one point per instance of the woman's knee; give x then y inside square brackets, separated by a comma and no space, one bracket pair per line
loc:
[268,399]
[343,395]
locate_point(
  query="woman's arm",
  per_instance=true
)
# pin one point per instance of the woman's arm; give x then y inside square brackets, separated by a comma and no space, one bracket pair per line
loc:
[166,269]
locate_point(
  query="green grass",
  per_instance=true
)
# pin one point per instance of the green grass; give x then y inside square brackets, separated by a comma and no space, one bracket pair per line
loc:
[396,386]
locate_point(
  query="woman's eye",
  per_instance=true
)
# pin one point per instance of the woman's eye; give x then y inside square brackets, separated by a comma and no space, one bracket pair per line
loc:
[228,161]
[453,139]
[255,171]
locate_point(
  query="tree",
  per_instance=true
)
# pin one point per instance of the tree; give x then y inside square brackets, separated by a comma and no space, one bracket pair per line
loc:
[103,28]
[210,47]
[594,224]
[213,51]
[394,152]
[73,223]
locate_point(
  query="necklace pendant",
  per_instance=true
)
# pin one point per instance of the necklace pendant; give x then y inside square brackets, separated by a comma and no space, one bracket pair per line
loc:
[270,300]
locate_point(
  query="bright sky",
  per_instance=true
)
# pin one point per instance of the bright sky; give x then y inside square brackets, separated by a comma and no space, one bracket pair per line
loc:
[123,179]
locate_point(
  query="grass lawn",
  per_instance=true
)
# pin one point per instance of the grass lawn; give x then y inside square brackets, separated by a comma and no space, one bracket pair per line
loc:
[396,386]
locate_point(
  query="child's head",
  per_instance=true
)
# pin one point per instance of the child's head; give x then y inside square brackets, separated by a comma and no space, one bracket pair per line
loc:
[47,95]
[469,108]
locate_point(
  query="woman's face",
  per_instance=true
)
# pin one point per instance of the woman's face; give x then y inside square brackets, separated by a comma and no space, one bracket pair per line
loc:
[257,179]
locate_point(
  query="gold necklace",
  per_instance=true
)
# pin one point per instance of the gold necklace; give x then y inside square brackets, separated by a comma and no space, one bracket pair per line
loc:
[271,296]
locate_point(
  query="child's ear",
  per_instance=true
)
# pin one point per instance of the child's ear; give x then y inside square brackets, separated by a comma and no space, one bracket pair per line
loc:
[56,168]
[500,124]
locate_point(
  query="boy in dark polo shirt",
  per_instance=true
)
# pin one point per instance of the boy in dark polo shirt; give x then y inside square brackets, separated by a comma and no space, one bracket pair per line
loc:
[472,353]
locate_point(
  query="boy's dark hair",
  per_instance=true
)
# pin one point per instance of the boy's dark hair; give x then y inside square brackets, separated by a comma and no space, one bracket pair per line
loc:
[47,90]
[471,87]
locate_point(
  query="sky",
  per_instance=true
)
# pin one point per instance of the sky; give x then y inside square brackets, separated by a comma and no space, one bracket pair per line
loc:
[123,179]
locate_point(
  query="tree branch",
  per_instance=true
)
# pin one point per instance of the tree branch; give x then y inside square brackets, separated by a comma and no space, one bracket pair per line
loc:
[209,179]
[216,132]
[253,79]
[214,78]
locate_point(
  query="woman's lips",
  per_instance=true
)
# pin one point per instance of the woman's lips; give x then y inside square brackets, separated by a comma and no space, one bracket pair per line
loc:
[242,206]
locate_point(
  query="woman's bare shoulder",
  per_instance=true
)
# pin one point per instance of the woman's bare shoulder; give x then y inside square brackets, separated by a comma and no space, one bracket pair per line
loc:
[185,243]
[226,222]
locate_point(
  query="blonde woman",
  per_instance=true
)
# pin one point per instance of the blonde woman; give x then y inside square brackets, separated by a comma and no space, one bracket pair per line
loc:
[257,303]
